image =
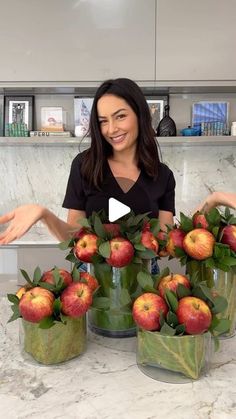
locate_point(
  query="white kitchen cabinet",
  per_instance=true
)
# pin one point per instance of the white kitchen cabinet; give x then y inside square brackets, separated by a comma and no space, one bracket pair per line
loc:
[90,40]
[195,40]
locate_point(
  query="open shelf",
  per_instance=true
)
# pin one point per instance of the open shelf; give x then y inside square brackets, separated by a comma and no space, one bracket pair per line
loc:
[77,141]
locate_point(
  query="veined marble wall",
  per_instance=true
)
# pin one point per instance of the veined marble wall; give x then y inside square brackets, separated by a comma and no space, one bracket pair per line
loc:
[38,174]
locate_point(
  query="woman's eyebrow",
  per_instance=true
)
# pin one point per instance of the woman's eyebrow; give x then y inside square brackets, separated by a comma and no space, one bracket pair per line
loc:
[115,113]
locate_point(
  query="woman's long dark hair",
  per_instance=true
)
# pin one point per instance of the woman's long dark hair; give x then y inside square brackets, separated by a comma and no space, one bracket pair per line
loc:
[147,152]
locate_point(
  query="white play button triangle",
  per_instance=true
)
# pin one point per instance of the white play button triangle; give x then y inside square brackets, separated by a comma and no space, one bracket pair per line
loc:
[116,209]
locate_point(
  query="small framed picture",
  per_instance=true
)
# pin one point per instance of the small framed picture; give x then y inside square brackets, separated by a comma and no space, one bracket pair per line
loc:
[209,112]
[82,110]
[156,106]
[52,118]
[18,110]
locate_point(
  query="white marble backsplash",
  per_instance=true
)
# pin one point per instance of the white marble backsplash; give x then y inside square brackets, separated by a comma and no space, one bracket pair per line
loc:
[38,174]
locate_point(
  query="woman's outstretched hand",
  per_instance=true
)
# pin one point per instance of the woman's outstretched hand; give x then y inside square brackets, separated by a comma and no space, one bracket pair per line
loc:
[20,220]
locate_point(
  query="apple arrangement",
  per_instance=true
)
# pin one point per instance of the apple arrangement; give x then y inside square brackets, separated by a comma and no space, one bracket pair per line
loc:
[52,306]
[115,253]
[176,317]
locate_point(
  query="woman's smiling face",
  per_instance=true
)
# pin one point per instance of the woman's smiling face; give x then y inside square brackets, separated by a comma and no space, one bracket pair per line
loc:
[118,122]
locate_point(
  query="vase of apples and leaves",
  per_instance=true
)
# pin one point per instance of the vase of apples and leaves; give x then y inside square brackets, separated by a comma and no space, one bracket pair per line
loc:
[206,245]
[115,254]
[176,317]
[52,309]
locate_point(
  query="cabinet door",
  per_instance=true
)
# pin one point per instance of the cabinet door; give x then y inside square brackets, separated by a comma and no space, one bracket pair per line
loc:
[77,40]
[195,40]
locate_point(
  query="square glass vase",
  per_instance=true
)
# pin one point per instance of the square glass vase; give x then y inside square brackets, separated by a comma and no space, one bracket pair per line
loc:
[225,286]
[174,359]
[119,287]
[59,343]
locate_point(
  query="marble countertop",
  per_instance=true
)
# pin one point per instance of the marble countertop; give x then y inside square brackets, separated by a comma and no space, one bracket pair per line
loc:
[105,383]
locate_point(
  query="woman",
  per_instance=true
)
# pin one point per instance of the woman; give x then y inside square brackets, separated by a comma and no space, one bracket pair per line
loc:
[122,163]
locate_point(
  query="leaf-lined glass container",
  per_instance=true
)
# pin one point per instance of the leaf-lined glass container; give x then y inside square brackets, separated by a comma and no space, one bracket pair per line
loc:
[225,285]
[111,313]
[59,343]
[174,359]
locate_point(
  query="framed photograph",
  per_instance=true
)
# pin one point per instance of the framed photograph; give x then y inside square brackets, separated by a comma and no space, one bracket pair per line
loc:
[82,110]
[156,106]
[52,118]
[18,110]
[210,112]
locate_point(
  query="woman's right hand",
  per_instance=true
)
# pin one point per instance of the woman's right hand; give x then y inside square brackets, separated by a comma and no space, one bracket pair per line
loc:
[21,219]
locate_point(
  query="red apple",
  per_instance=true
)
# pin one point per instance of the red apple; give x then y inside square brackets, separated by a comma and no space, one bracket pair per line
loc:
[49,278]
[175,239]
[199,243]
[36,304]
[86,247]
[171,282]
[229,236]
[195,314]
[122,252]
[76,299]
[113,229]
[80,233]
[200,221]
[149,241]
[90,280]
[147,310]
[22,290]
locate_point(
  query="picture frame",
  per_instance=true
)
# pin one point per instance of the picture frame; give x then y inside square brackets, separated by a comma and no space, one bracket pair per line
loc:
[52,119]
[210,112]
[18,110]
[82,110]
[156,106]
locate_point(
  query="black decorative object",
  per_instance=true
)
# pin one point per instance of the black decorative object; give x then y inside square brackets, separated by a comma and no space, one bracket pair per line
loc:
[166,127]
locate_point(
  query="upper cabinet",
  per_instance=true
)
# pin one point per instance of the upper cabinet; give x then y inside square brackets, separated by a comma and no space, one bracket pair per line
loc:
[195,40]
[89,40]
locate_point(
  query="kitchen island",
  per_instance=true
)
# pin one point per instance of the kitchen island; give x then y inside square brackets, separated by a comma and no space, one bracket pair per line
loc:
[105,383]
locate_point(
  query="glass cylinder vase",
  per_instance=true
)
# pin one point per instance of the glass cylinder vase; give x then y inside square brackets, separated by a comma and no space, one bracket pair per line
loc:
[200,271]
[118,289]
[174,359]
[57,344]
[225,285]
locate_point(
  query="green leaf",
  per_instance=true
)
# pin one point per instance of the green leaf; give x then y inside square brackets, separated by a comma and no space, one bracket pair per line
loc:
[186,223]
[37,275]
[46,285]
[84,222]
[180,329]
[172,319]
[13,298]
[140,247]
[223,326]
[167,330]
[66,244]
[105,249]
[26,276]
[154,226]
[147,254]
[57,306]
[124,297]
[72,258]
[145,280]
[213,216]
[46,323]
[99,228]
[75,274]
[16,313]
[215,231]
[219,305]
[171,300]
[179,252]
[101,302]
[182,291]
[228,260]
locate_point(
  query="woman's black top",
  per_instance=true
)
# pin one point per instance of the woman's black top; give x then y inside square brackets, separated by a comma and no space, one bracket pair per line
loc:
[145,195]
